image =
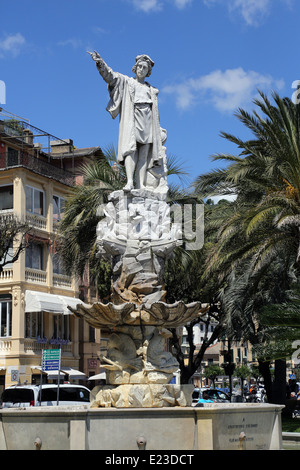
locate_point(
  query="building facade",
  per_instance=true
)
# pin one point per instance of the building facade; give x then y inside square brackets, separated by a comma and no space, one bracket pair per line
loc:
[37,171]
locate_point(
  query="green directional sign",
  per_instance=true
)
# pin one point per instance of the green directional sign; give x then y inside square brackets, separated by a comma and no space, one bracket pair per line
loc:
[51,359]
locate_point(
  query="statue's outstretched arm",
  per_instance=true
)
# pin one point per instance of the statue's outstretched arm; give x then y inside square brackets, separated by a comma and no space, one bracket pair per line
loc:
[105,71]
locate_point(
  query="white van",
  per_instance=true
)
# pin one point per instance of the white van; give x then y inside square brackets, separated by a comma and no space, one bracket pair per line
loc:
[18,396]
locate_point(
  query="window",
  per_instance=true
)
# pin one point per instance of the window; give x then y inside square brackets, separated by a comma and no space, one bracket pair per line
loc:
[65,394]
[35,201]
[6,197]
[58,208]
[61,327]
[18,395]
[34,257]
[5,317]
[58,267]
[34,325]
[91,334]
[12,157]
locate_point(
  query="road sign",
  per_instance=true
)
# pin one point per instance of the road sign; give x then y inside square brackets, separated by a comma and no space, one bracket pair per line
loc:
[14,375]
[51,359]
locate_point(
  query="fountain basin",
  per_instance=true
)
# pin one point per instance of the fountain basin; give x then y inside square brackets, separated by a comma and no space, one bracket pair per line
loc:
[110,315]
[215,426]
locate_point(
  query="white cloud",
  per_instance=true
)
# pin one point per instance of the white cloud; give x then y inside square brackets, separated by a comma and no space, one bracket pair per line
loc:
[225,90]
[182,3]
[252,11]
[11,45]
[73,42]
[147,5]
[157,5]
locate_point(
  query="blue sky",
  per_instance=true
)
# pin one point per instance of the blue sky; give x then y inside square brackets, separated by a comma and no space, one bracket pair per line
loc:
[210,57]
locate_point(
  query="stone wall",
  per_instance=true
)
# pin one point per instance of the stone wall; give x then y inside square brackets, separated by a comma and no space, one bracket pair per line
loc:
[212,427]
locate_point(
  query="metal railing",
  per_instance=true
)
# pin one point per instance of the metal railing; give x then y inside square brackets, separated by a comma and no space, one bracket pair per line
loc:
[23,159]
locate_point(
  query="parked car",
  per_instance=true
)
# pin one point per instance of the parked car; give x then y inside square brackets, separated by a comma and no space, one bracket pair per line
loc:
[18,396]
[218,395]
[209,395]
[196,395]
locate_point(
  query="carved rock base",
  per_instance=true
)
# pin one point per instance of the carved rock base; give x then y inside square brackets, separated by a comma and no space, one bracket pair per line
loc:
[141,396]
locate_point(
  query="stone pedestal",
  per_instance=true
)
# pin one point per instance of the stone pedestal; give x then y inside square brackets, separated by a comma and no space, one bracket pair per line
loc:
[137,235]
[141,396]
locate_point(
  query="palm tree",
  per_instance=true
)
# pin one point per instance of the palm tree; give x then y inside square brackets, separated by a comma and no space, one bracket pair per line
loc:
[257,252]
[265,177]
[77,240]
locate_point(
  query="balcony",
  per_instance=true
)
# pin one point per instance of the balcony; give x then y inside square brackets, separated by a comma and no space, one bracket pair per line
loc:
[62,281]
[5,345]
[6,275]
[32,346]
[39,165]
[36,221]
[35,276]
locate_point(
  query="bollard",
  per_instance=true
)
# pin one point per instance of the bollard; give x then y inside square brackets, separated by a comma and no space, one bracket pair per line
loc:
[141,442]
[242,438]
[38,443]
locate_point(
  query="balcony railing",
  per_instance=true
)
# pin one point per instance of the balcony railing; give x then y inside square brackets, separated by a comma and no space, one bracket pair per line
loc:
[5,345]
[35,275]
[36,221]
[38,165]
[6,275]
[62,281]
[32,346]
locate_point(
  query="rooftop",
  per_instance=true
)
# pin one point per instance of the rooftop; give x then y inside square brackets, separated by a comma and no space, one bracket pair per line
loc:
[39,151]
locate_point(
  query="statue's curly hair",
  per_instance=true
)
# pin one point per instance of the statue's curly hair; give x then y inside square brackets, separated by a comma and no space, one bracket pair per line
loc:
[144,58]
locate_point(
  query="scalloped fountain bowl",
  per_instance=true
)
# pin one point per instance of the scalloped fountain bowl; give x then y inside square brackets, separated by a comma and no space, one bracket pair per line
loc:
[159,314]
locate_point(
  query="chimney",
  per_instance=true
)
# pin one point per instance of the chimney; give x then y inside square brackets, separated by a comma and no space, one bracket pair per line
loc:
[28,134]
[61,146]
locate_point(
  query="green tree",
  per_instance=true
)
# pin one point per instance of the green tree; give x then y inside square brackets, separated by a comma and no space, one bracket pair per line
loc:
[184,281]
[212,371]
[256,256]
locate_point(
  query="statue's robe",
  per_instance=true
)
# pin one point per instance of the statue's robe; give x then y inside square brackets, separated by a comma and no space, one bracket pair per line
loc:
[122,103]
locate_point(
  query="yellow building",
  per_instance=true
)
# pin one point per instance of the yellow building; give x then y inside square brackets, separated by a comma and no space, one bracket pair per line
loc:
[35,178]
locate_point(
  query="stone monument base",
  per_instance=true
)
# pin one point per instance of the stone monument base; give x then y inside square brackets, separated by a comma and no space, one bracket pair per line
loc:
[215,426]
[141,395]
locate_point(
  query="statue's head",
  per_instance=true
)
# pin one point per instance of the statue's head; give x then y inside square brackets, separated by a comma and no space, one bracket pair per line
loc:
[143,58]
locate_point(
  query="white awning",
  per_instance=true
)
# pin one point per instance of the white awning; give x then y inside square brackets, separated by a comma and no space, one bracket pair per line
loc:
[42,302]
[101,376]
[53,374]
[73,374]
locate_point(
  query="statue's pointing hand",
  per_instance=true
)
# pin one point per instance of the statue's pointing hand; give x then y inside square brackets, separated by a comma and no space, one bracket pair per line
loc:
[95,56]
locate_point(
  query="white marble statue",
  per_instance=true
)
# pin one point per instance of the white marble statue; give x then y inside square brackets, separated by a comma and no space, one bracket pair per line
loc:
[134,100]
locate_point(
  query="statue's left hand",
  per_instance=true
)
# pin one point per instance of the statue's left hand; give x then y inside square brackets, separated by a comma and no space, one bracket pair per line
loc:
[95,56]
